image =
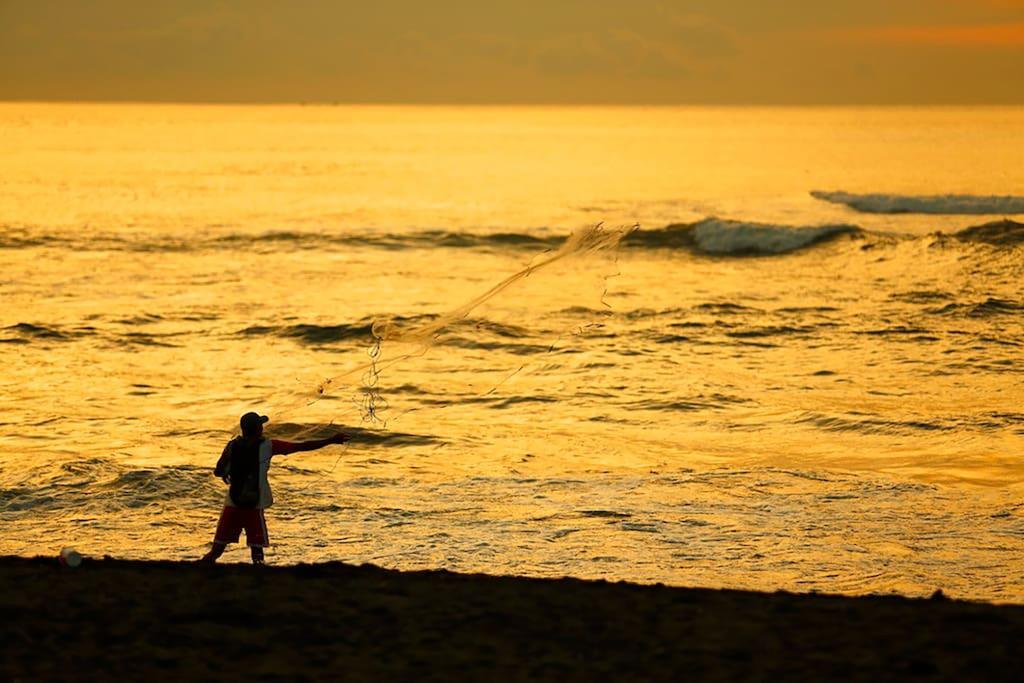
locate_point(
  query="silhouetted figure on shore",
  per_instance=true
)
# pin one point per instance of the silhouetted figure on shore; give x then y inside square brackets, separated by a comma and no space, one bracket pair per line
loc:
[243,466]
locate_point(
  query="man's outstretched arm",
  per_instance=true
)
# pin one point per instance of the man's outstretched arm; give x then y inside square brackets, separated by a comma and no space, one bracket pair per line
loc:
[288,447]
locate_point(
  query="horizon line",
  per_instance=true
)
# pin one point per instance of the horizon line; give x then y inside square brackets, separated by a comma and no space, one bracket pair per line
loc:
[525,104]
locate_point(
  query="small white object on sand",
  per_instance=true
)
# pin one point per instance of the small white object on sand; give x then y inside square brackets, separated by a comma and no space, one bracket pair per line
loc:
[69,557]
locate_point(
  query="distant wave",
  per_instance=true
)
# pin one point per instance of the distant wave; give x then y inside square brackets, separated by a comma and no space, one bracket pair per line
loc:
[872,424]
[362,436]
[934,204]
[311,334]
[983,309]
[421,239]
[867,423]
[23,332]
[24,238]
[999,233]
[710,236]
[26,333]
[737,238]
[480,333]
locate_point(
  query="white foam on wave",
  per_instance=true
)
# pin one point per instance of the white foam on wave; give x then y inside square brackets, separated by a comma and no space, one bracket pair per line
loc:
[717,236]
[928,204]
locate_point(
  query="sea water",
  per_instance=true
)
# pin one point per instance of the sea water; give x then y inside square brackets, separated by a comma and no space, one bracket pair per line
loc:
[803,370]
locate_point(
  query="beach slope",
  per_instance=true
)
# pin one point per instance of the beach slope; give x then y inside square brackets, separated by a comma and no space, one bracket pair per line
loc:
[113,619]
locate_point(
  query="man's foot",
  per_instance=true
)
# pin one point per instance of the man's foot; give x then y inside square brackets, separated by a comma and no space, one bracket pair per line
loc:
[215,552]
[257,555]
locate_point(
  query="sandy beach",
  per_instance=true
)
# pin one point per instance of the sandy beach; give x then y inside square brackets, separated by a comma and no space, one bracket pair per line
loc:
[111,619]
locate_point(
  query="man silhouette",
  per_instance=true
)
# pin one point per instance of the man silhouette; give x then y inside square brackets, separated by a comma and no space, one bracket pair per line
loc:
[243,466]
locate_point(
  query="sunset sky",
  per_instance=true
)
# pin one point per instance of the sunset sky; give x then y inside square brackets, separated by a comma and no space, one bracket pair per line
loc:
[521,51]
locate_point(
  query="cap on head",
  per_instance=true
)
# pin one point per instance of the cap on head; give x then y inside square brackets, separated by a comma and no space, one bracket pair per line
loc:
[252,423]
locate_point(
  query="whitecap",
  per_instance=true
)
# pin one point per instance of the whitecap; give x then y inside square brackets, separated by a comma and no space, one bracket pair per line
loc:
[928,204]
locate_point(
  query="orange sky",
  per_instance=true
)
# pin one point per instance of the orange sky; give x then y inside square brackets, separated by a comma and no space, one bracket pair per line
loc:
[522,51]
[955,36]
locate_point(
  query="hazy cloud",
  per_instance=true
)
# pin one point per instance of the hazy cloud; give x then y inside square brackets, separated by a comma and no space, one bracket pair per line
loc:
[701,36]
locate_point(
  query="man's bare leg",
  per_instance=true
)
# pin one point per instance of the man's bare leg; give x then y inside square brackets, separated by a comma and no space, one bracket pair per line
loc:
[215,551]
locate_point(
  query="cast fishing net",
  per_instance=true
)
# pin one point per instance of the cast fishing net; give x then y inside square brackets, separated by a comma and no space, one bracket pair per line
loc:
[396,342]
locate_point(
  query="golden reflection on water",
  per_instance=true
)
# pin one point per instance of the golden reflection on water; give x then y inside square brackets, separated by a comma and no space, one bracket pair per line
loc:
[846,417]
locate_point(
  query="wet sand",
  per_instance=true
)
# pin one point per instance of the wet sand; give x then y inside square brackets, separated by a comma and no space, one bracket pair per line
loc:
[111,619]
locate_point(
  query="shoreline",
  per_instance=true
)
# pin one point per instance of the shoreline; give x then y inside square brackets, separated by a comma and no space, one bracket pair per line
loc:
[159,620]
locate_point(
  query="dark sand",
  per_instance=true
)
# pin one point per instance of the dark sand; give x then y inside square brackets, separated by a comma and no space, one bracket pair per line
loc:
[159,620]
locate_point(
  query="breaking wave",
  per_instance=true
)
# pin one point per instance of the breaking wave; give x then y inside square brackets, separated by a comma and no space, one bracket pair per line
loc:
[722,237]
[933,204]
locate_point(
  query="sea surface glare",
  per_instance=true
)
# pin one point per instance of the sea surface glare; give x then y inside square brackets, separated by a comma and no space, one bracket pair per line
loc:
[762,388]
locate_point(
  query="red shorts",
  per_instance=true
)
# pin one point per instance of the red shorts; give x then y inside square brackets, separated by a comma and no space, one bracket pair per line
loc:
[233,520]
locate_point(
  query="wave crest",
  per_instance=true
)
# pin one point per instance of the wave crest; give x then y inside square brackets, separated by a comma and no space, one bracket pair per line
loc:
[722,237]
[927,204]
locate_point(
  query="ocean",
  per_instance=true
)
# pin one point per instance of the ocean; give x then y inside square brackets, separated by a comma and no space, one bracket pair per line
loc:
[800,370]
